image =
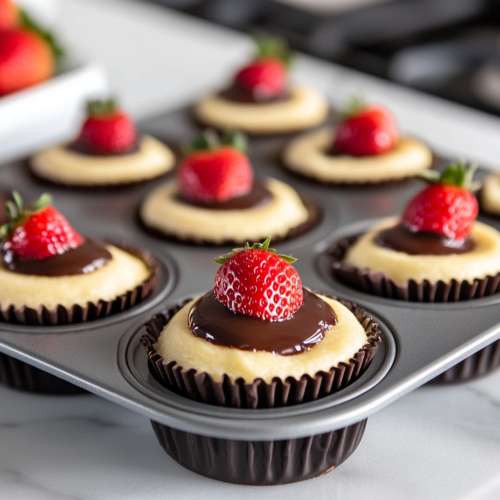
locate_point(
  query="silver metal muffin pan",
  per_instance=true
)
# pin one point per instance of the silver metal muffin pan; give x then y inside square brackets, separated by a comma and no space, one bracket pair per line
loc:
[105,356]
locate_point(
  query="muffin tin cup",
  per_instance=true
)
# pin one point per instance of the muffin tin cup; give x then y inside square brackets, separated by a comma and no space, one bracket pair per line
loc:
[259,394]
[61,315]
[17,374]
[312,221]
[260,463]
[477,365]
[381,285]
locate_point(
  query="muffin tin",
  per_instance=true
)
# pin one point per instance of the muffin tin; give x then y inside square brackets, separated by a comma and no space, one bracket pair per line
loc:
[105,356]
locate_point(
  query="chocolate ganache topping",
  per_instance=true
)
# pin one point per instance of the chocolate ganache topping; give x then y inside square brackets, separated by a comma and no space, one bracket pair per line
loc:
[245,95]
[214,322]
[85,258]
[258,195]
[401,239]
[85,148]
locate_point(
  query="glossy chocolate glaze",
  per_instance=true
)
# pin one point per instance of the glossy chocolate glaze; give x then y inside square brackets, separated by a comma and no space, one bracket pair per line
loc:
[84,259]
[212,321]
[244,95]
[258,195]
[401,239]
[84,148]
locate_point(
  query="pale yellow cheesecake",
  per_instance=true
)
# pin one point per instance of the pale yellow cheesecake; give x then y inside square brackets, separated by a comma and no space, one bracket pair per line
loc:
[304,108]
[163,211]
[177,343]
[483,260]
[62,165]
[307,155]
[122,273]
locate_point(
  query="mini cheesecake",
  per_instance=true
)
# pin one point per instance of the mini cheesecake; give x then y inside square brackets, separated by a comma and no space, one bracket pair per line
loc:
[49,274]
[310,156]
[365,148]
[339,344]
[436,252]
[301,108]
[425,257]
[216,200]
[261,100]
[107,152]
[260,326]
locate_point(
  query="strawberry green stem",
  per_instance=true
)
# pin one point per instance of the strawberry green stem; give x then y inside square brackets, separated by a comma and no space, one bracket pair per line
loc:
[256,246]
[17,212]
[102,107]
[456,174]
[211,141]
[273,47]
[355,105]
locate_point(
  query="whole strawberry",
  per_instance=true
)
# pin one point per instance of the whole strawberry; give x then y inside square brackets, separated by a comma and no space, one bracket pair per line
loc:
[216,169]
[107,130]
[25,60]
[447,206]
[267,75]
[9,15]
[37,231]
[255,281]
[366,131]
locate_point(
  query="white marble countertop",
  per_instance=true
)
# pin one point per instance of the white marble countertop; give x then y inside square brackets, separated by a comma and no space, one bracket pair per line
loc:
[436,443]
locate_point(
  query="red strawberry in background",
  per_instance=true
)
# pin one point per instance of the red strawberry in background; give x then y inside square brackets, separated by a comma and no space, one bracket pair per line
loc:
[25,60]
[255,281]
[267,75]
[9,15]
[107,130]
[37,231]
[366,131]
[216,169]
[447,206]
[28,52]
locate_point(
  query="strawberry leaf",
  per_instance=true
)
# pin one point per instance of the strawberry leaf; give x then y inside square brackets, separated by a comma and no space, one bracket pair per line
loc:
[272,47]
[355,105]
[18,201]
[17,212]
[210,141]
[456,174]
[42,202]
[102,107]
[222,259]
[28,23]
[235,139]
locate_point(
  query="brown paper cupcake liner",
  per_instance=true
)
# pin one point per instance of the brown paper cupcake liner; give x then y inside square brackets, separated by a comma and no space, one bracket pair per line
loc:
[381,285]
[20,375]
[200,386]
[91,311]
[260,463]
[477,365]
[312,221]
